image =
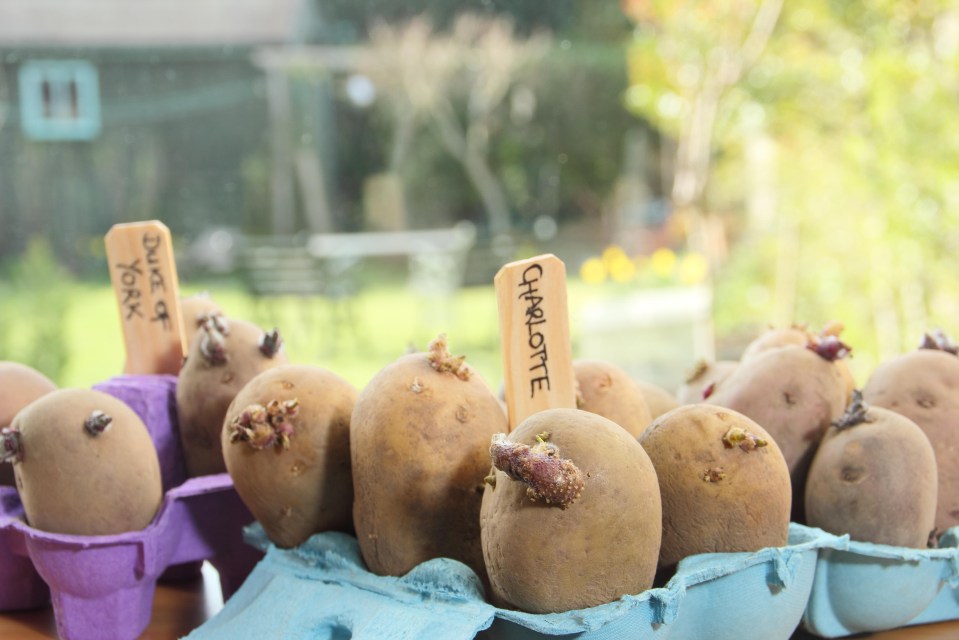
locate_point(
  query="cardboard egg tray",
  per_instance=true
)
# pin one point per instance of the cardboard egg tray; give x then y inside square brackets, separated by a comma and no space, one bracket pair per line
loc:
[107,582]
[865,587]
[833,586]
[322,589]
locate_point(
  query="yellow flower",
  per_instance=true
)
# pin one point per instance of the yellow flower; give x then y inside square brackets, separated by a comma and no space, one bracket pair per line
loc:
[693,268]
[663,261]
[622,269]
[613,254]
[593,271]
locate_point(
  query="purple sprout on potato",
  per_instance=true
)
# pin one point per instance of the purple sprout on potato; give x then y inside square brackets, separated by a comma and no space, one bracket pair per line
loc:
[271,343]
[265,427]
[556,480]
[97,423]
[938,339]
[11,448]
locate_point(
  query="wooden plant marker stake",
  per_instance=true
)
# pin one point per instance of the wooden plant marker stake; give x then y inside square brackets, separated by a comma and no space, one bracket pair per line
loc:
[534,335]
[143,273]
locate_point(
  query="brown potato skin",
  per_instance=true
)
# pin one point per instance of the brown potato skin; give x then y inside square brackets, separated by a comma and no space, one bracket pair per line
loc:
[307,488]
[71,482]
[774,338]
[875,481]
[795,336]
[922,386]
[19,386]
[691,391]
[604,545]
[420,448]
[657,399]
[204,392]
[746,510]
[794,394]
[607,390]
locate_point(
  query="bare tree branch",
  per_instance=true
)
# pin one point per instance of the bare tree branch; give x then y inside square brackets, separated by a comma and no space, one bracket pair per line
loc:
[754,44]
[722,68]
[428,75]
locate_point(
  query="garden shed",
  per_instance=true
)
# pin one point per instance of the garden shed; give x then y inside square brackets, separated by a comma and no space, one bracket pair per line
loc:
[124,110]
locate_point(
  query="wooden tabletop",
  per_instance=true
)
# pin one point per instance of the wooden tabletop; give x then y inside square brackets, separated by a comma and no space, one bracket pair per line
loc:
[180,607]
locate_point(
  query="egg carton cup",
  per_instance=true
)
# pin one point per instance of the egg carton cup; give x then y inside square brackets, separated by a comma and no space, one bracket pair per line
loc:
[945,606]
[105,584]
[323,589]
[867,587]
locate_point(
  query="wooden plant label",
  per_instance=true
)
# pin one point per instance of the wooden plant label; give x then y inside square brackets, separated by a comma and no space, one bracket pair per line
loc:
[534,335]
[143,273]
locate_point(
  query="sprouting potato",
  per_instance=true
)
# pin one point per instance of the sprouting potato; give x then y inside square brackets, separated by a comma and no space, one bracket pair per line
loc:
[701,380]
[874,478]
[194,311]
[572,515]
[724,482]
[286,443]
[921,385]
[800,335]
[419,439]
[225,355]
[84,464]
[794,393]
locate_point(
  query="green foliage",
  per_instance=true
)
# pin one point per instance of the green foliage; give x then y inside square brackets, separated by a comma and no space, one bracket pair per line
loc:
[36,294]
[859,100]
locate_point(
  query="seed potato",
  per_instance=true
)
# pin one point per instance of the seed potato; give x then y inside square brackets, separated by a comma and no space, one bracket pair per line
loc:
[419,439]
[794,394]
[874,477]
[225,355]
[590,544]
[286,443]
[607,390]
[724,483]
[922,386]
[88,465]
[702,379]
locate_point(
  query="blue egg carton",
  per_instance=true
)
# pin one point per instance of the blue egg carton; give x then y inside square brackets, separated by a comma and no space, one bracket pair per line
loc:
[945,606]
[323,589]
[865,587]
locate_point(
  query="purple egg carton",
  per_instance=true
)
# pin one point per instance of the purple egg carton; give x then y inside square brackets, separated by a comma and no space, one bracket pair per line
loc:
[108,582]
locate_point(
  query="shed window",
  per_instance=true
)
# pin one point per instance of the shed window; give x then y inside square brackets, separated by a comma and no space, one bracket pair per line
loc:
[59,100]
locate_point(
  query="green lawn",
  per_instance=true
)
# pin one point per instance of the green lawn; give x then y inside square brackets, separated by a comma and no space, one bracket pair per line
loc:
[353,338]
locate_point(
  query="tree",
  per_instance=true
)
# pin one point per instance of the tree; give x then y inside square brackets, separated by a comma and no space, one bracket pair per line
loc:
[687,56]
[857,102]
[454,82]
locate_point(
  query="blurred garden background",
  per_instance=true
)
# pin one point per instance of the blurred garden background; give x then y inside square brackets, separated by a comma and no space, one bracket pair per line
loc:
[705,169]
